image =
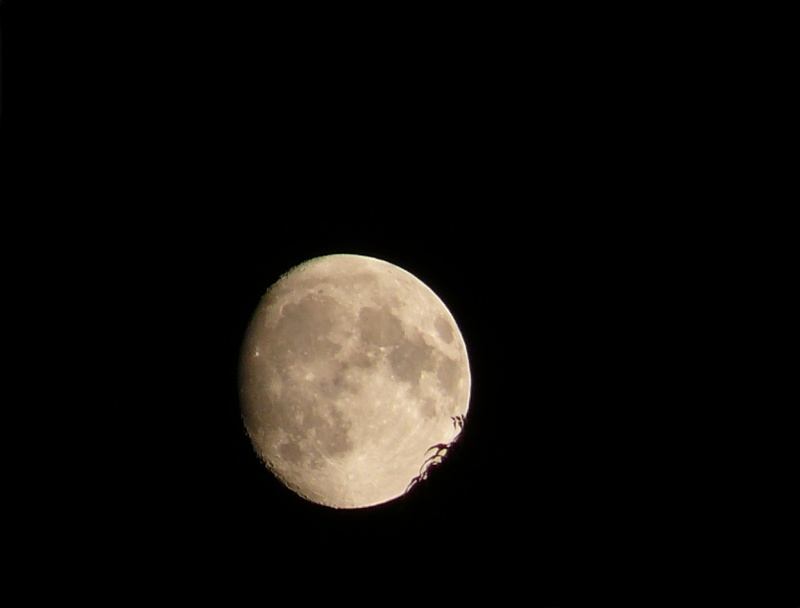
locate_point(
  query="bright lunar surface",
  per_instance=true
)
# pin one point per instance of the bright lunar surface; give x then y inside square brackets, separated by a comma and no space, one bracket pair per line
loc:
[351,369]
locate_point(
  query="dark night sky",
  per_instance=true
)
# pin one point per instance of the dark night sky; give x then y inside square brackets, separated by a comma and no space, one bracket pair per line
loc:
[597,216]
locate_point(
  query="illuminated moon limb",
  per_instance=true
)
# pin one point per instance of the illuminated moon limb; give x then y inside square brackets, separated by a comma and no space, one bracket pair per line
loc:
[351,368]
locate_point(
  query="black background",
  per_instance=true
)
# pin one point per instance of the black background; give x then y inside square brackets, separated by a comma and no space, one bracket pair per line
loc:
[599,211]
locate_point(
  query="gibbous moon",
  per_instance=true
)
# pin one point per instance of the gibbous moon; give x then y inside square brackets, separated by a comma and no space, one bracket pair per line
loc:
[351,370]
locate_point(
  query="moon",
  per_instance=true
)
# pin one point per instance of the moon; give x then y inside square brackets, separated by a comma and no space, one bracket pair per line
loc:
[351,370]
